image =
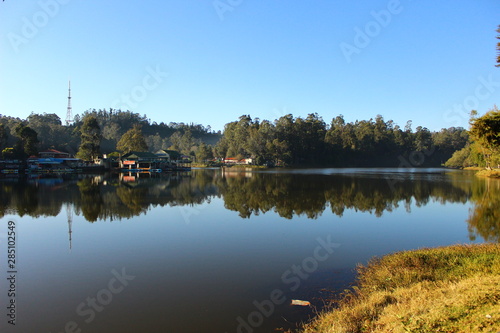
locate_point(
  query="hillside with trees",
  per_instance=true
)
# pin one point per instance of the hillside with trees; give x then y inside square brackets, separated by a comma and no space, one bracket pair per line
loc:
[287,141]
[96,132]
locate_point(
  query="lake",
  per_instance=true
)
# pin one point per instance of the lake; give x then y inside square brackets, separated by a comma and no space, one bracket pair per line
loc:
[216,250]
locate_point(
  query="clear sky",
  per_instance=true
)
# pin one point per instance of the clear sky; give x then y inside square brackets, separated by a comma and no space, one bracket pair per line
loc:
[209,62]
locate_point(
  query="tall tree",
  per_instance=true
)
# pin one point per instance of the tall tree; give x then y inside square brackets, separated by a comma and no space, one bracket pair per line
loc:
[90,146]
[423,139]
[49,129]
[28,140]
[187,143]
[203,153]
[3,137]
[132,140]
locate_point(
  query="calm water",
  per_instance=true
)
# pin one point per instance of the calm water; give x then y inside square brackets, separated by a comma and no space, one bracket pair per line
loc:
[209,251]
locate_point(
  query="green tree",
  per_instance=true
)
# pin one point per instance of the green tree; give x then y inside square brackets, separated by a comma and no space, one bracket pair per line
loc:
[485,130]
[260,142]
[365,136]
[423,139]
[188,143]
[287,141]
[90,139]
[132,140]
[49,128]
[3,137]
[460,158]
[175,140]
[334,134]
[28,140]
[203,153]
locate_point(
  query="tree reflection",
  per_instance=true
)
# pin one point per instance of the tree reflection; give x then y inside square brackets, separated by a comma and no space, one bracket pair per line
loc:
[91,199]
[484,217]
[254,193]
[17,200]
[310,194]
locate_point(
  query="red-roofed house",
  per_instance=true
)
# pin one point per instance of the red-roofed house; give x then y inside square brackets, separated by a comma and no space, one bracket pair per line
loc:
[52,153]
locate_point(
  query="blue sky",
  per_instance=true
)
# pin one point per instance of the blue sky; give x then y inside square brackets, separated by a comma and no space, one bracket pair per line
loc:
[209,62]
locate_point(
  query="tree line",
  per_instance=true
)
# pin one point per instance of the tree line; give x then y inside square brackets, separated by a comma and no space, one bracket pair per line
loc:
[299,141]
[287,141]
[96,132]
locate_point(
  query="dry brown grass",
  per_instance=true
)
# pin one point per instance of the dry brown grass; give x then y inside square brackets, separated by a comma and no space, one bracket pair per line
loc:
[449,289]
[489,173]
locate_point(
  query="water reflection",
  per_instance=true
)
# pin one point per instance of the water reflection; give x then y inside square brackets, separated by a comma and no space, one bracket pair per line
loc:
[252,193]
[484,217]
[227,255]
[290,194]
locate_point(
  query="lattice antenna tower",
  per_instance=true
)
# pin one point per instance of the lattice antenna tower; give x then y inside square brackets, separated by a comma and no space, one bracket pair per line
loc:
[69,111]
[69,214]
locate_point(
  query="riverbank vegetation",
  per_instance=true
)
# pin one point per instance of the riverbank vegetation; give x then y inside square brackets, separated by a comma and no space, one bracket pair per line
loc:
[287,141]
[20,138]
[311,141]
[489,173]
[447,289]
[483,148]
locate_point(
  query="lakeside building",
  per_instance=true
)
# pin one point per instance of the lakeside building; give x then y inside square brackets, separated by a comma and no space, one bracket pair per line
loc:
[162,160]
[142,161]
[234,161]
[53,160]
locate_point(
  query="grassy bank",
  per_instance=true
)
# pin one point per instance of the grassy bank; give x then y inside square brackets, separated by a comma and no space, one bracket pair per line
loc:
[489,173]
[482,172]
[448,289]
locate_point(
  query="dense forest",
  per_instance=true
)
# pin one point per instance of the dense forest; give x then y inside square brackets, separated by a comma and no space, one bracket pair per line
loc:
[112,124]
[287,141]
[311,141]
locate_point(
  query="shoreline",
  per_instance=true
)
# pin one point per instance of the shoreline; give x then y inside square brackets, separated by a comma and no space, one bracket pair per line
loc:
[483,172]
[444,289]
